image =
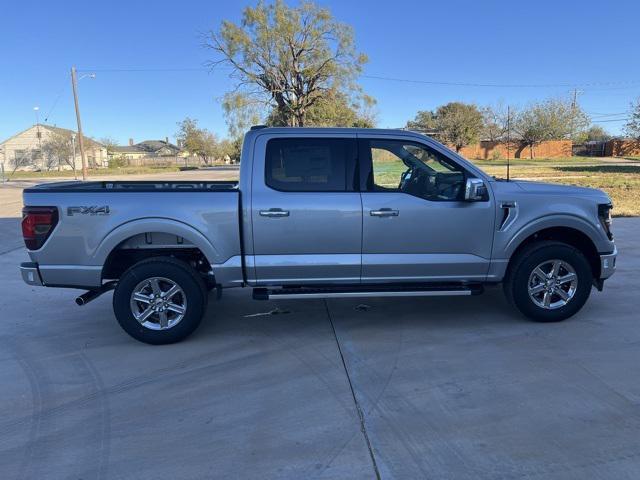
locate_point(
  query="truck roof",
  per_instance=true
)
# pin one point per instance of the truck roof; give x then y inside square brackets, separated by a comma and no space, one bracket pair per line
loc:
[258,129]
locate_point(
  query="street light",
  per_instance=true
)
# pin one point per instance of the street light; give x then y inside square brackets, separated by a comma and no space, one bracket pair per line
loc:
[2,165]
[36,110]
[73,147]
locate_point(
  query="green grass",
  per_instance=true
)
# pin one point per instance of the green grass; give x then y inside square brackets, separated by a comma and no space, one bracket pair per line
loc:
[620,182]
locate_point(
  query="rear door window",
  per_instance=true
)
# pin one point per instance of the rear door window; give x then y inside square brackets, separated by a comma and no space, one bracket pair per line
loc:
[310,164]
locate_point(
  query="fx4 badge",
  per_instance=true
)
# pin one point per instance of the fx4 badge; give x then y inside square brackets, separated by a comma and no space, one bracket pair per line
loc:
[92,210]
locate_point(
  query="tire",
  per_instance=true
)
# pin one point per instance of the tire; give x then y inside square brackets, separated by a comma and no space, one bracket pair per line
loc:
[548,298]
[170,301]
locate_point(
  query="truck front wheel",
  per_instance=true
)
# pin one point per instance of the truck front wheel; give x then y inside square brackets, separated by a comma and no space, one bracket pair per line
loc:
[159,300]
[549,281]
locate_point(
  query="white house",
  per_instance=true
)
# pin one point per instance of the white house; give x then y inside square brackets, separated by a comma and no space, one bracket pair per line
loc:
[27,150]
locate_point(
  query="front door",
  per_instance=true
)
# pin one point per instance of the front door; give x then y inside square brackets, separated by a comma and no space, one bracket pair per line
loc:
[305,210]
[416,225]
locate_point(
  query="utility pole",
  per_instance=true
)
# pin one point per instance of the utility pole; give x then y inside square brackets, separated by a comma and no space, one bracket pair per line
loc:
[574,105]
[74,85]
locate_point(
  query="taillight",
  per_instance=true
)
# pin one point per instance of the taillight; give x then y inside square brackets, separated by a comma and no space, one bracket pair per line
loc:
[37,225]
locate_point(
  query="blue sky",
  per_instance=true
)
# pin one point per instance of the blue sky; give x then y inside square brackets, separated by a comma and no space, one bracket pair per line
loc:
[541,42]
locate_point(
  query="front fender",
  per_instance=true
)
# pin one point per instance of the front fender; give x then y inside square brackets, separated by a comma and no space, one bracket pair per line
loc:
[154,225]
[556,220]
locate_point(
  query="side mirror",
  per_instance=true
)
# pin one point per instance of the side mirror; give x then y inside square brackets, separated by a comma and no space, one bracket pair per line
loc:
[475,190]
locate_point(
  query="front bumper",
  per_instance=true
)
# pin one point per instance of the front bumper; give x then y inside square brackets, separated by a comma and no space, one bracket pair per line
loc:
[608,264]
[30,273]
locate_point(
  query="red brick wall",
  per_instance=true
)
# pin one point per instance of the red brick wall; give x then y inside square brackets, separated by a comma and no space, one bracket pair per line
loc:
[622,148]
[486,150]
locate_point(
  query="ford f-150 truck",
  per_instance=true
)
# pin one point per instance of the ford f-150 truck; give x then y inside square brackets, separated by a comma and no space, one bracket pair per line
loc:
[319,213]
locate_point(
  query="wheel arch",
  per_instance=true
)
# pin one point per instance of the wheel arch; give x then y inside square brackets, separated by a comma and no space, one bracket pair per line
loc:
[189,243]
[569,235]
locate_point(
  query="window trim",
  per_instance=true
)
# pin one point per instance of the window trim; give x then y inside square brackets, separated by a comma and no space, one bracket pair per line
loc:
[365,161]
[351,164]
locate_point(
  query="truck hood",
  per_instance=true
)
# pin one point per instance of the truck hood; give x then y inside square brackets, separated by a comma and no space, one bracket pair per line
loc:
[556,189]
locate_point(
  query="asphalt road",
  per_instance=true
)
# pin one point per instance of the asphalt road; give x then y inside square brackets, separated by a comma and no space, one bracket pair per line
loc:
[399,388]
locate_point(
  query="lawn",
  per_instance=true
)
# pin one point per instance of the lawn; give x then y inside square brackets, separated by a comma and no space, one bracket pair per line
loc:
[621,182]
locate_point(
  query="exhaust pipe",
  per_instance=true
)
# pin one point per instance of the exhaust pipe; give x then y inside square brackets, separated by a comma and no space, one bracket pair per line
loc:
[90,295]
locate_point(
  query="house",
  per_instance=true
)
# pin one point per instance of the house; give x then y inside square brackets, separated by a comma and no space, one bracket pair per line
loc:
[27,150]
[145,149]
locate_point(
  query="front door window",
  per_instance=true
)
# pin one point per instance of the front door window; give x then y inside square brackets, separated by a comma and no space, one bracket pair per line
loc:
[412,168]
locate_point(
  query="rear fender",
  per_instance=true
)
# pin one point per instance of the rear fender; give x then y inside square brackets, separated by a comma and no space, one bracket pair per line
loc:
[155,225]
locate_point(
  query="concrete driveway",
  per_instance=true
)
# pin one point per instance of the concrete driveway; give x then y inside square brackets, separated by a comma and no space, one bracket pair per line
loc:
[395,388]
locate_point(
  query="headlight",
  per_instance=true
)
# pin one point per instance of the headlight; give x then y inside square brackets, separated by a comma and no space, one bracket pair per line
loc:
[604,214]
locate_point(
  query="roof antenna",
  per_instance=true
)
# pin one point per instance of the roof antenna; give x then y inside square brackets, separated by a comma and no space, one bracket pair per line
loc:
[508,139]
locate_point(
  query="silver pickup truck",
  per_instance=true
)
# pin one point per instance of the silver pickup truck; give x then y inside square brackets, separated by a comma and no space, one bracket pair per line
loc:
[319,213]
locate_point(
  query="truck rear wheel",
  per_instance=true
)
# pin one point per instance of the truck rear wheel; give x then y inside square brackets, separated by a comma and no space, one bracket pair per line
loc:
[549,281]
[160,300]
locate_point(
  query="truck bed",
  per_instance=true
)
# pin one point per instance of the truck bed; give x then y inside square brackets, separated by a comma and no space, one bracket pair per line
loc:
[96,217]
[134,186]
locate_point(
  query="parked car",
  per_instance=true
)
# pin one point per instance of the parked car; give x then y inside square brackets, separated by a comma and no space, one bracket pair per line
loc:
[319,213]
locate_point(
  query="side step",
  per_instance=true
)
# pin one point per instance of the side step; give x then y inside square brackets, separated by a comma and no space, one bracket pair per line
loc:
[449,290]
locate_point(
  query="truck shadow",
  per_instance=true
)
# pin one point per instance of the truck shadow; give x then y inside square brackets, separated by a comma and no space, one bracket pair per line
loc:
[237,310]
[601,169]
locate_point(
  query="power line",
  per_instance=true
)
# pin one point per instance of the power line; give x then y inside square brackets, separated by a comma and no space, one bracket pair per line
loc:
[135,69]
[55,102]
[614,120]
[505,85]
[616,84]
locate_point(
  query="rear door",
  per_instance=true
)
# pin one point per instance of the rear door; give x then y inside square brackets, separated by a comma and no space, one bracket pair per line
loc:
[416,225]
[305,210]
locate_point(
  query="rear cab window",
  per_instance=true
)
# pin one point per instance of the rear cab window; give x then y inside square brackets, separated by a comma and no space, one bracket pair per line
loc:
[310,164]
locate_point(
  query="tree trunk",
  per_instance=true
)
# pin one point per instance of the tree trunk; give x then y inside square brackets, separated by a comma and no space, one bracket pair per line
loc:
[531,151]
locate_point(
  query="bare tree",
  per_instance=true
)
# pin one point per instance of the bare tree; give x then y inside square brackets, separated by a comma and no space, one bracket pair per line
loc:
[58,150]
[632,127]
[109,143]
[495,122]
[286,59]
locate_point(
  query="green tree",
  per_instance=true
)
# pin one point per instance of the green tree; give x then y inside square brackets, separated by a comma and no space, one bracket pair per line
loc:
[197,141]
[286,59]
[596,133]
[424,121]
[459,124]
[334,110]
[551,119]
[632,127]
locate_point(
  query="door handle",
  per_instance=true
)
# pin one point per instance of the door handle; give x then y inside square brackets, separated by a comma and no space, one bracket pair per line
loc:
[384,212]
[274,212]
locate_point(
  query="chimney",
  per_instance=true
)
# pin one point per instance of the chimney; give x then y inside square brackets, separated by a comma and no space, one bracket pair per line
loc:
[166,140]
[131,142]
